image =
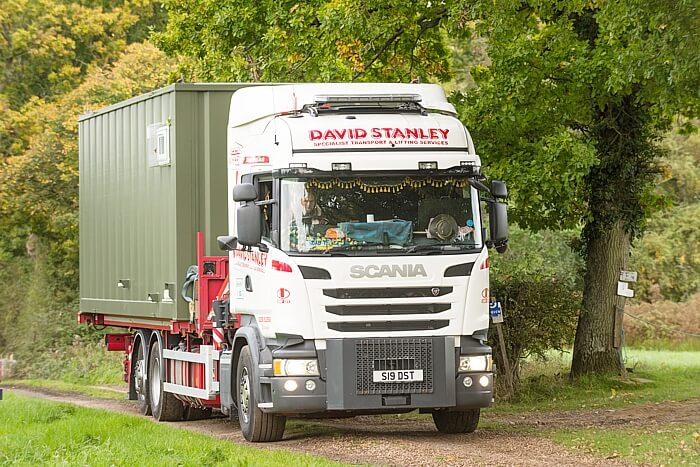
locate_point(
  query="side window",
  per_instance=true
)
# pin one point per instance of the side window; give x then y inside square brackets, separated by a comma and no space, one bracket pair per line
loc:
[264,189]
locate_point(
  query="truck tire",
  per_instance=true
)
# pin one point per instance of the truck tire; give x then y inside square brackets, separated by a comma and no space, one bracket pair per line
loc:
[457,422]
[140,375]
[164,405]
[256,425]
[196,413]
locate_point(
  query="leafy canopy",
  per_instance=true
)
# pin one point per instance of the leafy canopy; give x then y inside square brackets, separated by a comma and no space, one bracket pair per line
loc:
[561,74]
[293,41]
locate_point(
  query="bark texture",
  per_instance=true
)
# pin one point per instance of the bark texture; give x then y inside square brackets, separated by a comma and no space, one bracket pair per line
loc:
[594,350]
[618,191]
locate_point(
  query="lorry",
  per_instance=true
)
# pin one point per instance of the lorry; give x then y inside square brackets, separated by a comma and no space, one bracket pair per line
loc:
[306,250]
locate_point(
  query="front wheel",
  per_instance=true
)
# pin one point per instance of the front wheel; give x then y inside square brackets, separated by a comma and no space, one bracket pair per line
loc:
[256,425]
[457,422]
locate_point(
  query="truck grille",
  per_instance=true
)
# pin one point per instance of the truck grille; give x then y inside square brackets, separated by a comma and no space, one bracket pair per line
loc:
[394,354]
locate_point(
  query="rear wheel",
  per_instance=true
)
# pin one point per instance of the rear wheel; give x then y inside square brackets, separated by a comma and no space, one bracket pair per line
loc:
[196,413]
[140,380]
[256,425]
[165,406]
[457,422]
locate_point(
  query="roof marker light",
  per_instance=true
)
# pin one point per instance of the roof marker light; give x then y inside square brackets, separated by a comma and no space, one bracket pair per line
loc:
[297,165]
[427,165]
[365,98]
[341,166]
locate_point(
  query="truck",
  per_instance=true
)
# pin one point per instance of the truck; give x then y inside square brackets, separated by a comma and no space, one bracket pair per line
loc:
[291,250]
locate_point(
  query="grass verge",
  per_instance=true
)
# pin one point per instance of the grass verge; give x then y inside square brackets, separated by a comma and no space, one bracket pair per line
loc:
[37,432]
[657,376]
[662,445]
[63,387]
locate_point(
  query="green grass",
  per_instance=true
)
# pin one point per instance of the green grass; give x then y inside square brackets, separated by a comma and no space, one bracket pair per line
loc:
[663,445]
[67,388]
[691,344]
[656,376]
[37,432]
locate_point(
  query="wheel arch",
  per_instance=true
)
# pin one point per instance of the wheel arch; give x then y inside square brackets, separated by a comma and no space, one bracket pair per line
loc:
[246,336]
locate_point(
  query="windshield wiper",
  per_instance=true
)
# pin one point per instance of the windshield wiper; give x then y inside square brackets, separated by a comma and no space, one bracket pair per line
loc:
[340,248]
[366,247]
[439,247]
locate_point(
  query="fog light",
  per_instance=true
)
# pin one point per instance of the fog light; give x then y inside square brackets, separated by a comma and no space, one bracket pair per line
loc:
[484,381]
[467,382]
[310,385]
[290,385]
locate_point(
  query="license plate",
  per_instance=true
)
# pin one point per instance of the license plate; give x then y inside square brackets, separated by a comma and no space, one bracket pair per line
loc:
[397,376]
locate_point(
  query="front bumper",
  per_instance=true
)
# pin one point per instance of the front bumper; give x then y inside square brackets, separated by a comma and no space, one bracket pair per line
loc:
[344,385]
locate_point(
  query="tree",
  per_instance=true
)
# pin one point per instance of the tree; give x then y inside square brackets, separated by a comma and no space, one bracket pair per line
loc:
[569,112]
[40,186]
[46,47]
[292,41]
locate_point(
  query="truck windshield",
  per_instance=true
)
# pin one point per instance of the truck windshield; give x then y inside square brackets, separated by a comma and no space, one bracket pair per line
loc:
[359,215]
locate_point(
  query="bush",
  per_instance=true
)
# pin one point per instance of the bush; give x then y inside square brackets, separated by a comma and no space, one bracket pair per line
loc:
[540,313]
[668,256]
[539,284]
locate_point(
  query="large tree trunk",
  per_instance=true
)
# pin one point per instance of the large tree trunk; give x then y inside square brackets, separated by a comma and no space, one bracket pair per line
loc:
[594,348]
[617,188]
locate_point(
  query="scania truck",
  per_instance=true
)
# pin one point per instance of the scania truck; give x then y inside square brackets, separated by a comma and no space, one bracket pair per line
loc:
[304,250]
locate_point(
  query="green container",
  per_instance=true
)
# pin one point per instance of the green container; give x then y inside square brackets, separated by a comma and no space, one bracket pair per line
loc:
[152,174]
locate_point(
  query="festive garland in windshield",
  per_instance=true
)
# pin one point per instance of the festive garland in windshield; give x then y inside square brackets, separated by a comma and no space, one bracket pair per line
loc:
[384,187]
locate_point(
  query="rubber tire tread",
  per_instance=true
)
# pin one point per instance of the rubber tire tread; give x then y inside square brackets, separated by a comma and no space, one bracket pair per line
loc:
[171,408]
[457,422]
[196,413]
[262,427]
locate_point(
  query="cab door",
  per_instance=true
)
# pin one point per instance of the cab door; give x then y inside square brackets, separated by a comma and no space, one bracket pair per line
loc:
[252,292]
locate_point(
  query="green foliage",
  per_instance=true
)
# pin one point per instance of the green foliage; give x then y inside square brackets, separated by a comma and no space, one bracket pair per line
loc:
[37,432]
[570,111]
[38,193]
[292,41]
[564,76]
[668,257]
[40,186]
[47,46]
[538,283]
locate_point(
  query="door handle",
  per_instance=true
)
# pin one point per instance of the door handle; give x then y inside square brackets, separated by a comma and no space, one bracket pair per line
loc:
[248,284]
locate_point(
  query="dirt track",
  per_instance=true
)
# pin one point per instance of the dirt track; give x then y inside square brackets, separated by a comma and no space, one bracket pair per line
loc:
[401,441]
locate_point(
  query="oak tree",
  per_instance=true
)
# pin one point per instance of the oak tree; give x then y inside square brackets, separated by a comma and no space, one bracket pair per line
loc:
[570,111]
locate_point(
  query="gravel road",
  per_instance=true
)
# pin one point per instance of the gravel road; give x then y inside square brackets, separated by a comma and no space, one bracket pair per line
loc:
[394,440]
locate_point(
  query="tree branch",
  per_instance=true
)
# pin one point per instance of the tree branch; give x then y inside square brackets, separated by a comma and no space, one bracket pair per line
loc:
[386,45]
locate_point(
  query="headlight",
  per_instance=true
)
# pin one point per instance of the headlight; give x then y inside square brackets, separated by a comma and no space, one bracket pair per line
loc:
[295,367]
[475,363]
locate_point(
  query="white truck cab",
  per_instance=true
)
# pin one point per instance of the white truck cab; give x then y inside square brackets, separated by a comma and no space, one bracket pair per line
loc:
[358,261]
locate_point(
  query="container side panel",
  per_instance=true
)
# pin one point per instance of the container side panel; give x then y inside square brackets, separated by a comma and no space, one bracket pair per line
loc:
[138,221]
[127,221]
